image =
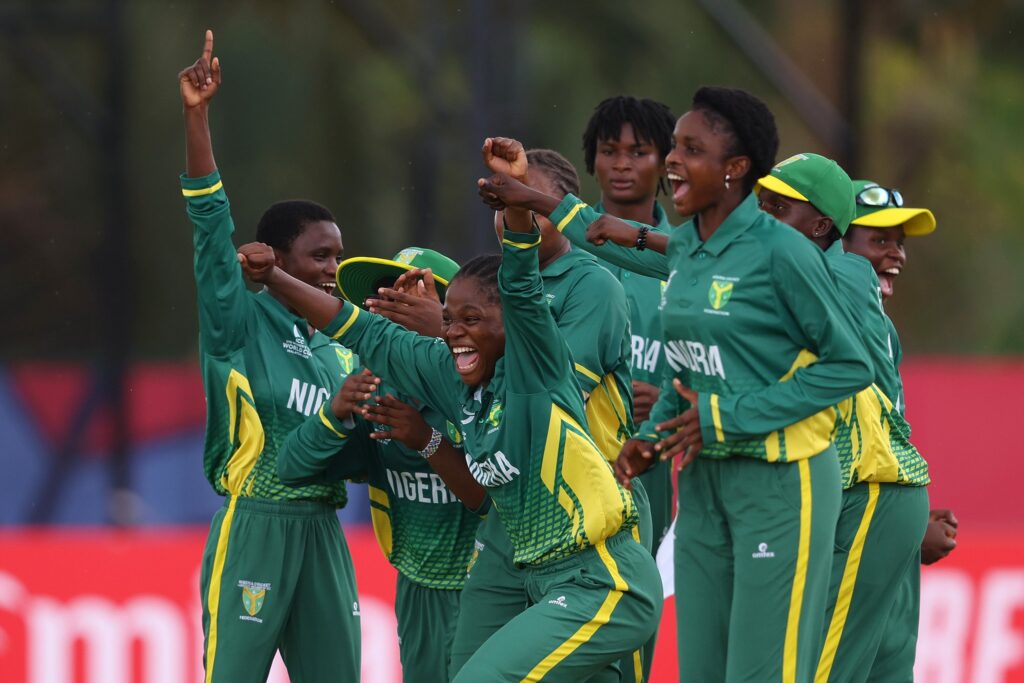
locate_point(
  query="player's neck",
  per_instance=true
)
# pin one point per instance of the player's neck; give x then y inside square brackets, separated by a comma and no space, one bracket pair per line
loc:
[639,212]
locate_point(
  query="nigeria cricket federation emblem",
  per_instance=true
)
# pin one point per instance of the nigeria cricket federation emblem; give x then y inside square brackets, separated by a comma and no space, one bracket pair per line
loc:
[253,600]
[253,596]
[719,293]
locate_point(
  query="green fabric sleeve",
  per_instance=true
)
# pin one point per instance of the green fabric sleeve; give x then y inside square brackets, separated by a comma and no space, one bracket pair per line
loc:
[325,449]
[858,288]
[414,365]
[804,287]
[536,356]
[595,351]
[572,216]
[224,302]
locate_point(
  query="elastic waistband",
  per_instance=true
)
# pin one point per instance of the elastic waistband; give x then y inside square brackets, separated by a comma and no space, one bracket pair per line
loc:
[282,508]
[622,537]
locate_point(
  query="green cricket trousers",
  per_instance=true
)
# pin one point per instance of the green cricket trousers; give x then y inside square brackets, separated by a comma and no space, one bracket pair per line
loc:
[753,555]
[277,575]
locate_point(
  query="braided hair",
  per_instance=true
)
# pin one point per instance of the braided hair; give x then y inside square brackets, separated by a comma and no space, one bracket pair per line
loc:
[652,123]
[484,269]
[284,221]
[556,168]
[748,121]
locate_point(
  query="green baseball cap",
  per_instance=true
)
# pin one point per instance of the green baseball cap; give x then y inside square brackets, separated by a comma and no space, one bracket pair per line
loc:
[815,179]
[879,207]
[358,276]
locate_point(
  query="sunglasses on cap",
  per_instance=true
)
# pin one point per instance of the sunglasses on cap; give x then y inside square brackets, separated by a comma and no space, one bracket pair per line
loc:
[876,195]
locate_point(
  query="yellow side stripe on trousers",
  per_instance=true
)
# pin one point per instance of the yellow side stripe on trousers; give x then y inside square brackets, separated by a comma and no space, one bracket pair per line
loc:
[845,596]
[587,631]
[638,667]
[796,599]
[213,596]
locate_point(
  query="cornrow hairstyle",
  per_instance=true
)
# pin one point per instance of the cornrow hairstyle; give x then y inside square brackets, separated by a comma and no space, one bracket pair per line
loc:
[556,168]
[748,121]
[284,221]
[484,269]
[652,121]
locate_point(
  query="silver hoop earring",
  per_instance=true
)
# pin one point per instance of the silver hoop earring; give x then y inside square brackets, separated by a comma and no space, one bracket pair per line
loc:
[727,181]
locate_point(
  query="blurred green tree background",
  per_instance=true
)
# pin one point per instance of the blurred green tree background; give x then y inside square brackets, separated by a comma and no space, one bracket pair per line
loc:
[378,109]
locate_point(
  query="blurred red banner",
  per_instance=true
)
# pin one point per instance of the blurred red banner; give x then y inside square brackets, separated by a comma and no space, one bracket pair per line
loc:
[101,606]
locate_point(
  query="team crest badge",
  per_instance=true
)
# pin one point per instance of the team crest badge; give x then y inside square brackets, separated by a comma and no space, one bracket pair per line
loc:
[252,600]
[719,293]
[253,596]
[494,416]
[454,435]
[346,359]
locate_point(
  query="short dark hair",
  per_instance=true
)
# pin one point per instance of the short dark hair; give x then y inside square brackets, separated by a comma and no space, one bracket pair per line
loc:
[652,123]
[484,269]
[284,221]
[559,169]
[748,121]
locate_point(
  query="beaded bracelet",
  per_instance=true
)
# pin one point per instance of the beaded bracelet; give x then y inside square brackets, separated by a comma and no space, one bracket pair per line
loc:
[432,445]
[641,239]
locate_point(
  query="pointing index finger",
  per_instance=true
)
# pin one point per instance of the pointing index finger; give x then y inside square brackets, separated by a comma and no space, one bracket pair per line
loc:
[208,47]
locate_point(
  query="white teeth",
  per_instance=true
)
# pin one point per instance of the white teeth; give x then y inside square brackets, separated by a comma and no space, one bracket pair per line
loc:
[892,271]
[673,176]
[462,349]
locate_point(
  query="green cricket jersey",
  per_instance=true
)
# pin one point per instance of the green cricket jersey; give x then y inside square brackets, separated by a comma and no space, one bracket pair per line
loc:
[752,323]
[643,294]
[872,438]
[590,310]
[525,432]
[422,528]
[263,373]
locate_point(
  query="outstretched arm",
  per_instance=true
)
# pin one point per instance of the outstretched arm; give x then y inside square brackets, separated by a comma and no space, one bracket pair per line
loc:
[415,365]
[606,237]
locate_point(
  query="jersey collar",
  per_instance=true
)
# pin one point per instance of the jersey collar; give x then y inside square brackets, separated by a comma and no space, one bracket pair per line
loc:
[735,224]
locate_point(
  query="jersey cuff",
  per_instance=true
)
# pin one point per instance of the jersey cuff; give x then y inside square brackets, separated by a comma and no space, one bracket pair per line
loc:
[345,321]
[566,211]
[341,429]
[521,240]
[205,195]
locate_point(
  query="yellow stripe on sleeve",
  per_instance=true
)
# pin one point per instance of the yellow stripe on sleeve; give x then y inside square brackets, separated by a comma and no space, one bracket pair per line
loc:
[327,423]
[520,245]
[213,595]
[796,599]
[588,373]
[845,596]
[204,191]
[569,216]
[348,323]
[716,417]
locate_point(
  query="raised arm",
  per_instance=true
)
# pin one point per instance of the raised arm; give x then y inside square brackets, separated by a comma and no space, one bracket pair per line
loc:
[224,302]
